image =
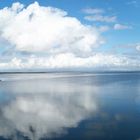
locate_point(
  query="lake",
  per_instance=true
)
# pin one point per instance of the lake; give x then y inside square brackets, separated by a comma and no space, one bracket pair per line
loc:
[70,106]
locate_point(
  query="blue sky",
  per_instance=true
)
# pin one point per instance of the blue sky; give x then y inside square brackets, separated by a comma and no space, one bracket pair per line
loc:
[117,22]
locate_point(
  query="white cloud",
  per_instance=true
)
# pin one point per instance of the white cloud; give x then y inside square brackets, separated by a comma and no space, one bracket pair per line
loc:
[101,18]
[98,15]
[97,61]
[93,11]
[46,29]
[121,27]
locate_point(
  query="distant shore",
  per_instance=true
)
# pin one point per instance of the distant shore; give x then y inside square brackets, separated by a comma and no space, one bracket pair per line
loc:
[30,72]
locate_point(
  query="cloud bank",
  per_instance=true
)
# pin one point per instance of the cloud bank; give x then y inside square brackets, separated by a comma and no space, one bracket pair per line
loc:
[47,38]
[69,61]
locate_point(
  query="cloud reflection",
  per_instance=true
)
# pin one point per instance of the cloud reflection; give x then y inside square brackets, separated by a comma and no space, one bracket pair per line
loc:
[45,108]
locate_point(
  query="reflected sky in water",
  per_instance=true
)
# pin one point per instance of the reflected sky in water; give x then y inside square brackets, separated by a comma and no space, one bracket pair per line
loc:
[59,106]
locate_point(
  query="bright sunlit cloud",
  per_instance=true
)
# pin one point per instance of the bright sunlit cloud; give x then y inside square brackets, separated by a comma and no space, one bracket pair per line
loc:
[47,29]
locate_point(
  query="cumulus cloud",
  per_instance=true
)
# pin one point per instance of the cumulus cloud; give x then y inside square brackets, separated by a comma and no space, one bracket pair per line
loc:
[45,114]
[37,28]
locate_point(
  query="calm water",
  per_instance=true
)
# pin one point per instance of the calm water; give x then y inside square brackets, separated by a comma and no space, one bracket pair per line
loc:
[70,106]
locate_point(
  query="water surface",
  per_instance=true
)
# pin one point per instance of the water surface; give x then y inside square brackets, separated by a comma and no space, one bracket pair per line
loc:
[70,106]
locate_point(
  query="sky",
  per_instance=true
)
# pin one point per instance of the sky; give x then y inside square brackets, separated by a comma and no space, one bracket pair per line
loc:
[69,35]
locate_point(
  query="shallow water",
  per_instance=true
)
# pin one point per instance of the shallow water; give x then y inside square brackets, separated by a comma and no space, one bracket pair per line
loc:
[70,106]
